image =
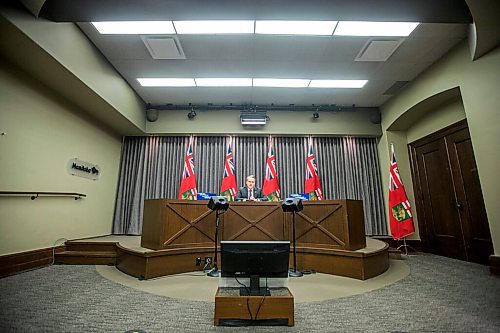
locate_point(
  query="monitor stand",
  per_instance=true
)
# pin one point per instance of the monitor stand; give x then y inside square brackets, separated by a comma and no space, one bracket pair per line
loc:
[255,289]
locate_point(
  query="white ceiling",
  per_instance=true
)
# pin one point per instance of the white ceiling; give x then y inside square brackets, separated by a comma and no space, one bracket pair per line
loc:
[255,56]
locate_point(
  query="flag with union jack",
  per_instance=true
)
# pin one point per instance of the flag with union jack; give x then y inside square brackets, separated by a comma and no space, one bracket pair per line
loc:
[187,190]
[312,184]
[228,186]
[400,218]
[271,187]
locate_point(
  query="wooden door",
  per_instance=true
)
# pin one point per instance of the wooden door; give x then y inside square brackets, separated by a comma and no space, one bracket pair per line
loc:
[469,198]
[451,213]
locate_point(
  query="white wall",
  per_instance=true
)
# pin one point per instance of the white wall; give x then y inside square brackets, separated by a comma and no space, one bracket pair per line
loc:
[440,117]
[282,122]
[42,132]
[60,55]
[479,82]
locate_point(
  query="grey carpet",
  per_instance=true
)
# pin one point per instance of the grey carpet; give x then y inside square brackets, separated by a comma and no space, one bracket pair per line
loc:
[439,295]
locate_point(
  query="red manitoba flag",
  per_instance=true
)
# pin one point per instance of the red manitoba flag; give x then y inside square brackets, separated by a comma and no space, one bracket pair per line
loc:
[271,187]
[187,190]
[312,184]
[228,186]
[401,220]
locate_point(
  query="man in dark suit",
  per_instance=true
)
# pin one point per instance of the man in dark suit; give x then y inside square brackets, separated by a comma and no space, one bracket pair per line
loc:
[250,192]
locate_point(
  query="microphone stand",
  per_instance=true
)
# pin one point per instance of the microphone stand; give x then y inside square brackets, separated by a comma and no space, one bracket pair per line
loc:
[294,272]
[214,272]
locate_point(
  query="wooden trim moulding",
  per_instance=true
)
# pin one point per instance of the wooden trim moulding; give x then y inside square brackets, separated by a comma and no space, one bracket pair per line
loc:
[495,265]
[414,243]
[15,263]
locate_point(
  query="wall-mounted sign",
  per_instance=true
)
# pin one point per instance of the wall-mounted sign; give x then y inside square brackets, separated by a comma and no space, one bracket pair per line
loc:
[83,169]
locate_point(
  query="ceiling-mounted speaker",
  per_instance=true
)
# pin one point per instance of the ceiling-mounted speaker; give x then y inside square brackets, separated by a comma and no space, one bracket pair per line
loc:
[376,118]
[152,115]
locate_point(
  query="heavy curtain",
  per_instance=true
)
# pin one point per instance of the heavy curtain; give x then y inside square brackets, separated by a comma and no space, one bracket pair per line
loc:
[151,167]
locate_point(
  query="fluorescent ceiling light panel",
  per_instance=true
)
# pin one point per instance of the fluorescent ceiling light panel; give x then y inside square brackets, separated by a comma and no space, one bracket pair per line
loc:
[166,82]
[214,27]
[253,121]
[318,28]
[134,27]
[337,83]
[223,82]
[361,28]
[281,83]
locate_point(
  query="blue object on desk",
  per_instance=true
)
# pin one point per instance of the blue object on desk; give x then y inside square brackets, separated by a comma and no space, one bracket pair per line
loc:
[205,196]
[303,196]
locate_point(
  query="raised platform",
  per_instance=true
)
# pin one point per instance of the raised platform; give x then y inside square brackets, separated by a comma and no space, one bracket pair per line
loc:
[129,257]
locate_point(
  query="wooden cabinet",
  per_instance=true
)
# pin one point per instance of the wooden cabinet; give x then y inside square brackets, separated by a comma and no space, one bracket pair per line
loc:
[229,305]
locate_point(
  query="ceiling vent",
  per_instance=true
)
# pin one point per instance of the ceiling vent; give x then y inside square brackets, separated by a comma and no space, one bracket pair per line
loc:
[378,50]
[164,47]
[395,88]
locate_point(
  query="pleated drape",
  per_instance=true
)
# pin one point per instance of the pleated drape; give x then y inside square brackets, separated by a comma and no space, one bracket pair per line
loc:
[151,167]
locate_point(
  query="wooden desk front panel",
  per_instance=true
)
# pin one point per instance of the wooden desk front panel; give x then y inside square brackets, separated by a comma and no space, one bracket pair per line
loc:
[176,224]
[336,224]
[254,221]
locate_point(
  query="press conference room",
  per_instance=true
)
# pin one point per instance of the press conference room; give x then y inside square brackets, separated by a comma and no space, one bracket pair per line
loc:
[297,166]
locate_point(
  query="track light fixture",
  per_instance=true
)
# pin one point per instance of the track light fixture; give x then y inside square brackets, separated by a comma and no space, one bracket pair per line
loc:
[251,108]
[316,115]
[191,114]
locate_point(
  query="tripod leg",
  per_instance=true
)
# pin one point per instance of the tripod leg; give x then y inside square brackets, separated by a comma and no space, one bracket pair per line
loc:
[294,272]
[215,270]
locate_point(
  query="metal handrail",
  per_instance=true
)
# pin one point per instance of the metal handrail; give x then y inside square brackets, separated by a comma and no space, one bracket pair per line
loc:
[36,194]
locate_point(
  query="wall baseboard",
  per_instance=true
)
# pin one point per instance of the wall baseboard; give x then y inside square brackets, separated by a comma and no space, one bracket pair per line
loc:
[495,265]
[20,262]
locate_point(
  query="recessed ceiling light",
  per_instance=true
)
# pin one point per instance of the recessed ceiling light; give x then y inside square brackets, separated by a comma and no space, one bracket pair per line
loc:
[319,28]
[223,82]
[281,83]
[361,28]
[214,27]
[337,83]
[247,82]
[166,82]
[134,27]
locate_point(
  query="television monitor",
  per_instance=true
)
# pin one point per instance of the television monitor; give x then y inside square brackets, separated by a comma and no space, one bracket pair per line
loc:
[254,263]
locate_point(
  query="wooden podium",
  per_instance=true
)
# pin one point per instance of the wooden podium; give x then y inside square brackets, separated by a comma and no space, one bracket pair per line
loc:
[230,306]
[330,236]
[327,224]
